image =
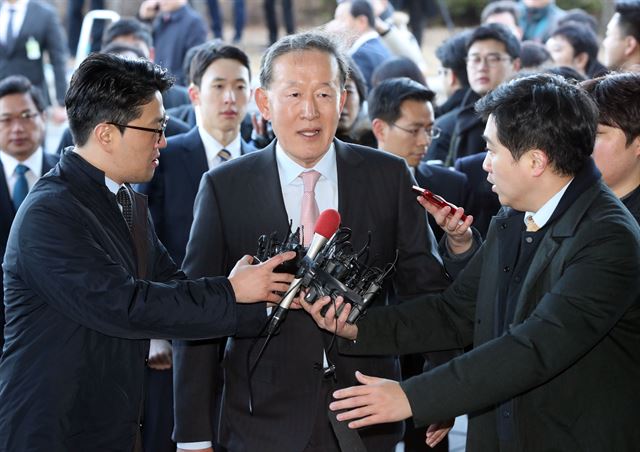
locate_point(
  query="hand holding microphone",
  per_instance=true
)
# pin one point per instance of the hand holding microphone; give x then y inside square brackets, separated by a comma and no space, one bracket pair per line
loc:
[326,226]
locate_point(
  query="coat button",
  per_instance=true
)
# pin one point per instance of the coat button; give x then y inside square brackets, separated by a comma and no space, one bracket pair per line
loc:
[503,226]
[506,413]
[506,269]
[528,240]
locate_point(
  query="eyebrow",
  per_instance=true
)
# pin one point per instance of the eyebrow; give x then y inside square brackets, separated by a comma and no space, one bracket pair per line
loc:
[487,139]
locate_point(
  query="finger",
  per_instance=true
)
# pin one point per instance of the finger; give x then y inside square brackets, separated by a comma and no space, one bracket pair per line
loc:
[366,379]
[279,287]
[279,259]
[351,391]
[356,413]
[284,278]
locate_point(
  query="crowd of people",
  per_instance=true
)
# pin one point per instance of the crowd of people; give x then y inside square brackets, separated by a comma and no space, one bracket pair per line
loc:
[134,309]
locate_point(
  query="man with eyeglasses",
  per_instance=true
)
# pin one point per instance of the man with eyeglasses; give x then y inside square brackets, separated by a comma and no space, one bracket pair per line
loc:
[22,159]
[87,281]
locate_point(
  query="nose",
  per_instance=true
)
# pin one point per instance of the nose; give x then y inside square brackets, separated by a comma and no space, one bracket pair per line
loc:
[486,163]
[229,96]
[309,108]
[162,143]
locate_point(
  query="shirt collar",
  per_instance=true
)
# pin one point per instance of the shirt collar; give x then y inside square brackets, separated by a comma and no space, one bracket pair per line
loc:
[112,186]
[213,146]
[34,162]
[18,7]
[368,36]
[542,216]
[290,170]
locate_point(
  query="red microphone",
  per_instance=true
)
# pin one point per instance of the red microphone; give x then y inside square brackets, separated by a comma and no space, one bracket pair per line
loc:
[326,225]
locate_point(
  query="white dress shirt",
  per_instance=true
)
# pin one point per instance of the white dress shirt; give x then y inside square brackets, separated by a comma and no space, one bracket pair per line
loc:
[212,147]
[20,8]
[541,217]
[34,163]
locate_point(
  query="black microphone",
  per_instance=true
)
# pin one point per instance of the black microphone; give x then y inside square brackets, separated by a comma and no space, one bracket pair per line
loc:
[326,226]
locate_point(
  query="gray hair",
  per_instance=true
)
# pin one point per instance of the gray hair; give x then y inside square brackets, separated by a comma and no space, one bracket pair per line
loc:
[313,40]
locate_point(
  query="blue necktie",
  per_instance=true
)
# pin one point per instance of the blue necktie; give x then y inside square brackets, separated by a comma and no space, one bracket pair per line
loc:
[21,188]
[10,36]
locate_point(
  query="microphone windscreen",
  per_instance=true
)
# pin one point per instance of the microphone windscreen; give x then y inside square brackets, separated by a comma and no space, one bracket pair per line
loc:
[327,223]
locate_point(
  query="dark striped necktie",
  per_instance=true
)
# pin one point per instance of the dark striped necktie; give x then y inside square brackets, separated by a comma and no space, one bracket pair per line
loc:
[124,200]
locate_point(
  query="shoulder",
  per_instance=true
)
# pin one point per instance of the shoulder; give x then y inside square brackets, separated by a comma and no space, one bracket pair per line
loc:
[367,157]
[448,174]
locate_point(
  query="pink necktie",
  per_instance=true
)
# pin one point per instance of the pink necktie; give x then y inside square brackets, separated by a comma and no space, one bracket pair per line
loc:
[310,211]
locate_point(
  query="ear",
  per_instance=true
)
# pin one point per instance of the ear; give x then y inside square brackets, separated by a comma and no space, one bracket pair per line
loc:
[538,161]
[104,135]
[379,129]
[516,65]
[581,60]
[262,101]
[635,146]
[630,45]
[194,94]
[152,54]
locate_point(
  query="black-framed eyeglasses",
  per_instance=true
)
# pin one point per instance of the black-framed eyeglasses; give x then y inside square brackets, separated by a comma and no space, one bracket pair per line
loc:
[160,132]
[432,132]
[491,59]
[23,118]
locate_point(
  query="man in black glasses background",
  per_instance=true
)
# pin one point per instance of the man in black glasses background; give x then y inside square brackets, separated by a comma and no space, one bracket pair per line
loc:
[22,159]
[87,281]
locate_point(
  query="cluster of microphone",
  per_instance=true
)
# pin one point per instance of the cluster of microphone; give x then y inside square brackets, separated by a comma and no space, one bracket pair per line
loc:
[330,267]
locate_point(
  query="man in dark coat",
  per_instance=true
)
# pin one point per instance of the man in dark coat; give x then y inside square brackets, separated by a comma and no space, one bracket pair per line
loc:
[550,302]
[87,280]
[302,91]
[22,159]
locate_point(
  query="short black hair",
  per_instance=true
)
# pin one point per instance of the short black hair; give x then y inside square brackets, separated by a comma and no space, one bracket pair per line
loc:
[111,88]
[629,21]
[566,72]
[398,67]
[497,32]
[19,84]
[302,42]
[363,8]
[452,53]
[499,7]
[127,26]
[617,96]
[544,112]
[386,99]
[206,54]
[355,74]
[533,54]
[580,16]
[582,39]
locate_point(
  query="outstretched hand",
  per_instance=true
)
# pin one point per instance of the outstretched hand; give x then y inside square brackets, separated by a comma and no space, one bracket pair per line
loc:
[376,401]
[438,431]
[254,283]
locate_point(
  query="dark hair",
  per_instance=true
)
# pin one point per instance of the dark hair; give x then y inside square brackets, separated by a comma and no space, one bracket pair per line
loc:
[568,73]
[206,54]
[544,112]
[582,39]
[117,48]
[629,21]
[312,40]
[617,96]
[19,84]
[580,16]
[355,74]
[452,54]
[398,67]
[111,88]
[497,32]
[499,7]
[127,26]
[363,8]
[191,52]
[533,54]
[386,99]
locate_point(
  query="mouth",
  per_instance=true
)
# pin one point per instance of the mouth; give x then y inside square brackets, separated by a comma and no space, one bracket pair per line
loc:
[309,133]
[155,162]
[229,114]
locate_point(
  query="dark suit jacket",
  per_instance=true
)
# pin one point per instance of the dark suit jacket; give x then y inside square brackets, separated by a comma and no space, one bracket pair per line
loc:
[173,189]
[241,200]
[369,56]
[82,295]
[569,360]
[446,182]
[42,23]
[7,214]
[482,203]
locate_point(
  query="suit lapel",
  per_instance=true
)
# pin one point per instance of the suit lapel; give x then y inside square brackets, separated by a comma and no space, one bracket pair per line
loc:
[352,184]
[139,231]
[195,157]
[265,190]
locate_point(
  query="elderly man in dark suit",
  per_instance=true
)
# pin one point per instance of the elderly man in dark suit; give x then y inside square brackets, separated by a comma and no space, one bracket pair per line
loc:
[22,159]
[87,281]
[550,302]
[302,92]
[220,91]
[28,29]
